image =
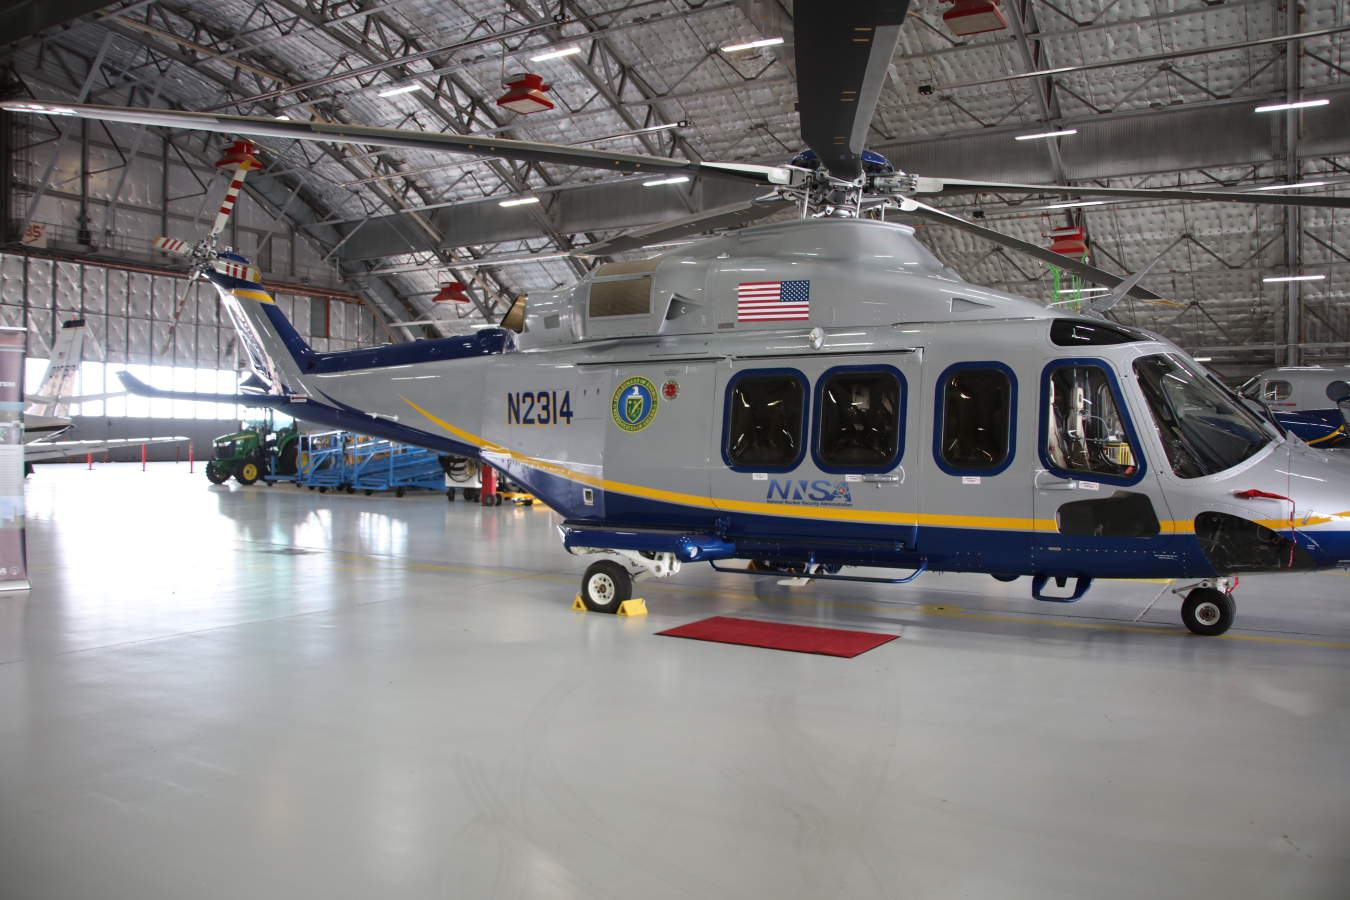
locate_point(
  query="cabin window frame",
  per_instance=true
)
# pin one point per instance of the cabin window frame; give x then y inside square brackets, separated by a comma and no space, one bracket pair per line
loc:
[818,409]
[1275,394]
[803,432]
[1136,446]
[940,415]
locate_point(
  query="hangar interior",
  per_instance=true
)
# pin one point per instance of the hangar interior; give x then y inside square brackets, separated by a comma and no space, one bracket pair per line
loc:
[282,694]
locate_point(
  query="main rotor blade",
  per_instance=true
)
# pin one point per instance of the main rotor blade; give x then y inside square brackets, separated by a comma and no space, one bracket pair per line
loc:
[722,217]
[1081,269]
[948,186]
[340,133]
[843,51]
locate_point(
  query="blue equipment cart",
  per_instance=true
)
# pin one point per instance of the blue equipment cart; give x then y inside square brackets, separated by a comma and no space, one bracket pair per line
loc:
[341,460]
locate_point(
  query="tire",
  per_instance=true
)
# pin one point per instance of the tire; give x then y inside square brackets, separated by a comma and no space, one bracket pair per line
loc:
[605,585]
[247,471]
[496,499]
[1208,612]
[450,494]
[323,489]
[399,491]
[471,495]
[287,462]
[527,503]
[215,474]
[351,489]
[369,492]
[1006,578]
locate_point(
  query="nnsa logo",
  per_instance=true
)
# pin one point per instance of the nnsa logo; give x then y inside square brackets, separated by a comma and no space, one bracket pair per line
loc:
[809,493]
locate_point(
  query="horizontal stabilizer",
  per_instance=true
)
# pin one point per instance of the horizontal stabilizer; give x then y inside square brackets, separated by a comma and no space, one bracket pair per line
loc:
[135,386]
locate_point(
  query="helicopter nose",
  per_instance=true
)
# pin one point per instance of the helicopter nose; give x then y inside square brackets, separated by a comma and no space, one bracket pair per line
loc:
[1321,484]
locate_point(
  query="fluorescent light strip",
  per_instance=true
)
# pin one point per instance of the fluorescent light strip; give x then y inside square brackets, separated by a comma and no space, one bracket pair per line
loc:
[767,42]
[1080,290]
[406,89]
[1203,358]
[1290,187]
[520,201]
[1074,203]
[1294,278]
[1302,104]
[566,51]
[1045,134]
[679,179]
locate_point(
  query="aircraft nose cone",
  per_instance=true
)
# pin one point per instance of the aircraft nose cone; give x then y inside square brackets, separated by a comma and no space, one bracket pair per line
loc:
[1320,485]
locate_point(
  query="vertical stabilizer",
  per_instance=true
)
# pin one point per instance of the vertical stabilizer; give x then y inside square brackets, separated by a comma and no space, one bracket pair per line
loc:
[273,347]
[59,381]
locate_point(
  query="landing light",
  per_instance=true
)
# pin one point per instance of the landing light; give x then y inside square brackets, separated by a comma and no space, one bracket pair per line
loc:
[1045,134]
[679,179]
[1302,104]
[767,42]
[1294,278]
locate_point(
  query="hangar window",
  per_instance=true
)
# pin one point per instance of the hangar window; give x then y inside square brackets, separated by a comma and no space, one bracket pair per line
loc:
[859,419]
[1084,429]
[976,410]
[764,420]
[1276,391]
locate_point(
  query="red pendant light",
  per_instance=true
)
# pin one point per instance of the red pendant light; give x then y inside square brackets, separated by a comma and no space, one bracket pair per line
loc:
[974,17]
[525,94]
[1070,241]
[451,290]
[236,153]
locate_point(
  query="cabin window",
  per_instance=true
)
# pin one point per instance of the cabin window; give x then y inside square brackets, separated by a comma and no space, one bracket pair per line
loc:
[1275,391]
[1203,430]
[1084,430]
[1080,333]
[976,410]
[764,420]
[859,420]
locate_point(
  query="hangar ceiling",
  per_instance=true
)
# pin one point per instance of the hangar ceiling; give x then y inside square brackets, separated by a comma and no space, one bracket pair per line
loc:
[1159,92]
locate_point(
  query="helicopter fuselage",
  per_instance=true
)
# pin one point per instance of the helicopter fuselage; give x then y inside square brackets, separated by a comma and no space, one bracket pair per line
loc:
[826,393]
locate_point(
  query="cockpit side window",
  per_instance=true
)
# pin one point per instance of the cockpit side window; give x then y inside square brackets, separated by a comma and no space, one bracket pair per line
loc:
[1275,391]
[764,420]
[1085,431]
[1202,430]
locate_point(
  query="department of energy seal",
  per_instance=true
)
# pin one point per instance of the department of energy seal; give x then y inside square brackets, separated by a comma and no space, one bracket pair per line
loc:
[634,404]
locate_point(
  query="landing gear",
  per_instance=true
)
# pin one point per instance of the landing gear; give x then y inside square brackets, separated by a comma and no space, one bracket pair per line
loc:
[1208,611]
[605,585]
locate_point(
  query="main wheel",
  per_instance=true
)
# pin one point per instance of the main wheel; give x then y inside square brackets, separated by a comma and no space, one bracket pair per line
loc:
[605,585]
[1208,611]
[247,472]
[216,474]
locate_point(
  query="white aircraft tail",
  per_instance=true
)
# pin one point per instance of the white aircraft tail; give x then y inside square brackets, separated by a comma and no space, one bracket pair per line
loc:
[59,380]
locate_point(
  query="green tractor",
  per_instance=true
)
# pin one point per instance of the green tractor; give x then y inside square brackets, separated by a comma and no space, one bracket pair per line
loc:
[248,455]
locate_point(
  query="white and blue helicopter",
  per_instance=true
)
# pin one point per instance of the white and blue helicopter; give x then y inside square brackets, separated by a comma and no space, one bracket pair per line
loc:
[823,393]
[1311,401]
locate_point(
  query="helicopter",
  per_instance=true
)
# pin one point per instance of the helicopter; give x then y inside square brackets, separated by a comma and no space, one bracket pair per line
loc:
[823,393]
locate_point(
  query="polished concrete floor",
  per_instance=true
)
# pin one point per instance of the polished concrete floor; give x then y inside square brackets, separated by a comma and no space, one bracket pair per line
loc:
[226,692]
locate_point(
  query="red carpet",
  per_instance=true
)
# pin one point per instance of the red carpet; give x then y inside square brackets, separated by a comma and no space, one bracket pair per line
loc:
[774,636]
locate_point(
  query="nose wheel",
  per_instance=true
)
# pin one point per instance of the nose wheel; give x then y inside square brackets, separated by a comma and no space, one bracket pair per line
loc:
[605,586]
[1208,611]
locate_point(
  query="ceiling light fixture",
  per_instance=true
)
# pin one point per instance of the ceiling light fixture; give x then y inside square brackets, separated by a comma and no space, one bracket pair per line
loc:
[767,42]
[566,51]
[1203,358]
[1045,134]
[406,89]
[1080,290]
[1075,203]
[1302,104]
[1290,187]
[519,201]
[1294,278]
[678,179]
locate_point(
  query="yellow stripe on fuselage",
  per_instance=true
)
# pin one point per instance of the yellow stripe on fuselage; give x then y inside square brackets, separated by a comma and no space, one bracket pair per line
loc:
[1000,523]
[254,295]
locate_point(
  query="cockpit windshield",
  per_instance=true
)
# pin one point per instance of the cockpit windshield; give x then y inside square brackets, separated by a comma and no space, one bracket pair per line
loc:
[1203,430]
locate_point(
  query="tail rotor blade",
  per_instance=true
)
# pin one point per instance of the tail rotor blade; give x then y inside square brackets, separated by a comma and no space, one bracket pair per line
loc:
[231,195]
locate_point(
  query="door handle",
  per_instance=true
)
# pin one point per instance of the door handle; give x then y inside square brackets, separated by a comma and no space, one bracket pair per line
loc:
[886,479]
[1055,485]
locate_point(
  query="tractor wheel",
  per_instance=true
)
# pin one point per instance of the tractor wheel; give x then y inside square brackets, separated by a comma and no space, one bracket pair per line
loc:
[216,474]
[287,462]
[247,472]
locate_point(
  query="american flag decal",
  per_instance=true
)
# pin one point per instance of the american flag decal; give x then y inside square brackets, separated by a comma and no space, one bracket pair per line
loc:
[773,301]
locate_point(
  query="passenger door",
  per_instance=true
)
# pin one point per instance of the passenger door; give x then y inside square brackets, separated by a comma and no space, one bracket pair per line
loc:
[1098,506]
[819,449]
